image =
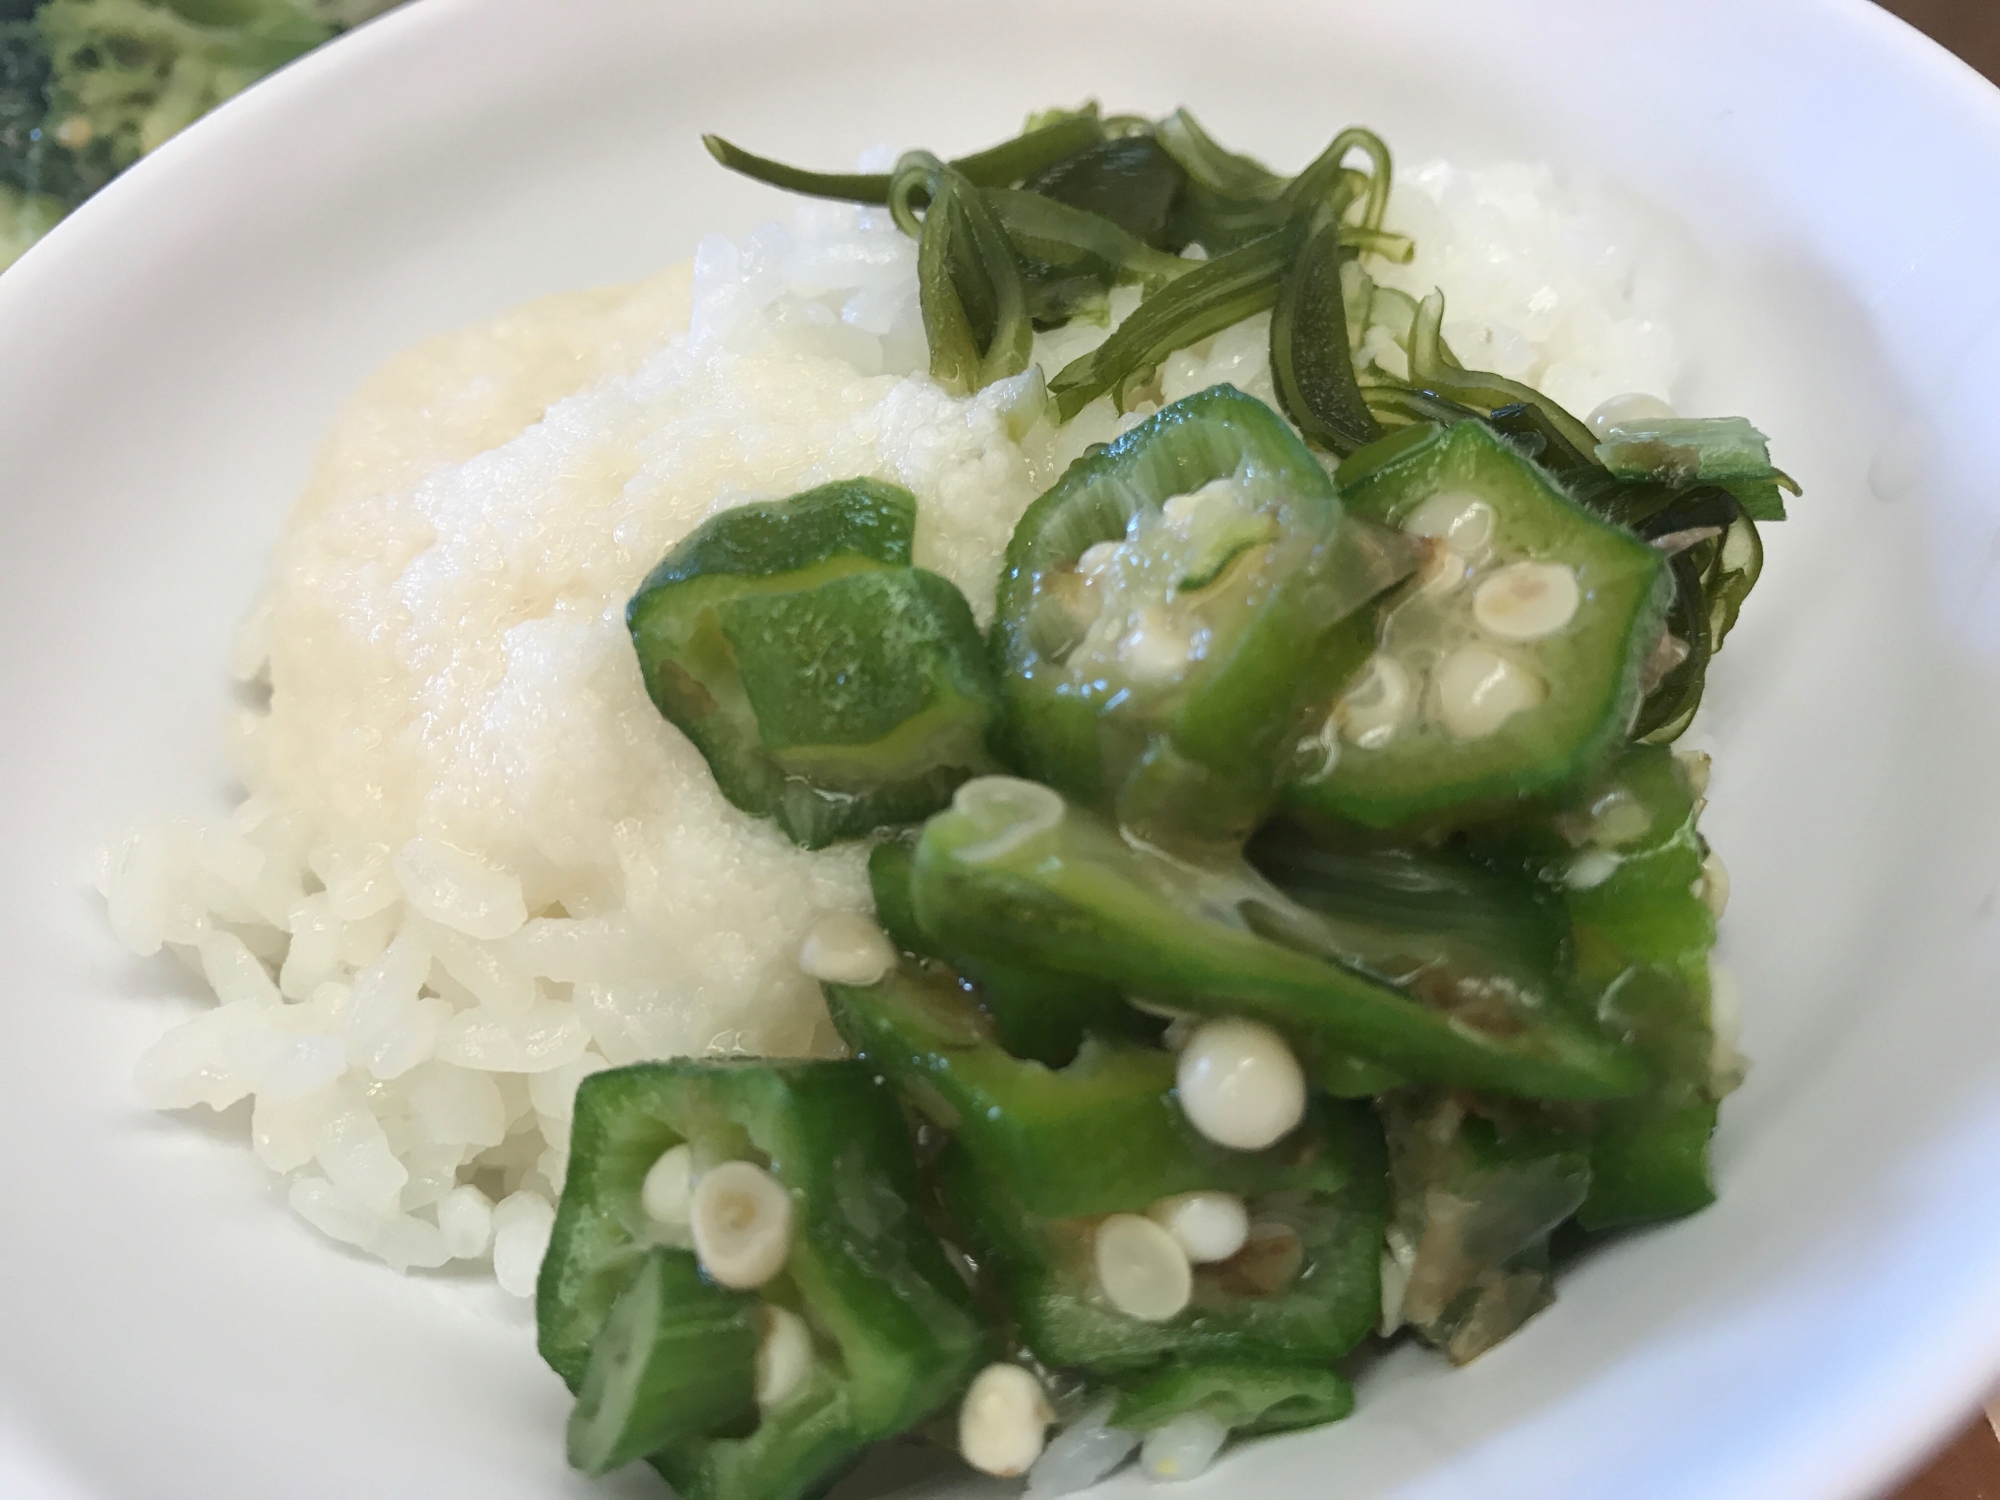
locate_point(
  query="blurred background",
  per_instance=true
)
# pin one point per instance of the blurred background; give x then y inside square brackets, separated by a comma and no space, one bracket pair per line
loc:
[87,87]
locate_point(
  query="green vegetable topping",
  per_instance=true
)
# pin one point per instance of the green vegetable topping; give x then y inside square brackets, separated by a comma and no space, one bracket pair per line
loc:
[657,1351]
[1479,1189]
[1511,668]
[1010,870]
[974,302]
[1638,880]
[1036,1014]
[832,687]
[676,1359]
[1307,932]
[1166,611]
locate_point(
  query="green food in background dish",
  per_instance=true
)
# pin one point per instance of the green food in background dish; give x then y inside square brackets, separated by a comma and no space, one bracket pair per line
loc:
[87,87]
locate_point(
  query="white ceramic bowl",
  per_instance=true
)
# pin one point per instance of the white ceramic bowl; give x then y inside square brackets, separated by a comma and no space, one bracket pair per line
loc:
[168,357]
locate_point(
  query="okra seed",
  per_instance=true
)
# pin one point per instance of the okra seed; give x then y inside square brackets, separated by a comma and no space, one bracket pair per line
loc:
[1003,1421]
[1725,1008]
[1008,811]
[1154,649]
[1097,558]
[1618,817]
[784,1355]
[1737,549]
[1399,1258]
[1713,887]
[1590,869]
[669,1183]
[742,1223]
[1210,1227]
[844,947]
[1141,1268]
[1183,1447]
[1622,411]
[1526,601]
[1240,1085]
[1442,571]
[1376,706]
[1479,690]
[1462,521]
[1695,766]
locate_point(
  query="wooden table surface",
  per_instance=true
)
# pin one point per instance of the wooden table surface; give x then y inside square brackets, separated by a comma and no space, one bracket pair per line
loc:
[1969,1469]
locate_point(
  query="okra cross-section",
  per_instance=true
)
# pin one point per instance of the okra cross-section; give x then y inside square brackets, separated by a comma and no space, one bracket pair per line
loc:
[1170,605]
[831,686]
[1511,667]
[721,1219]
[1011,869]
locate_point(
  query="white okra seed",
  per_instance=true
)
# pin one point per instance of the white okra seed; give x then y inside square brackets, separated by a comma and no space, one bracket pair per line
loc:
[844,947]
[669,1182]
[1591,869]
[1526,601]
[1184,1447]
[1713,887]
[1240,1085]
[1623,411]
[1478,690]
[742,1224]
[784,1355]
[1210,1227]
[1154,650]
[1458,518]
[1374,708]
[1141,1268]
[1003,1421]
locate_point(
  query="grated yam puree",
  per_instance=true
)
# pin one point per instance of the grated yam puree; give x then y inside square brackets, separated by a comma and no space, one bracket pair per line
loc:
[473,864]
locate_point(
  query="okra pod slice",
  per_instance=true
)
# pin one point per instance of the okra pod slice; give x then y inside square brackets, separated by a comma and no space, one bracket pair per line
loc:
[1479,1187]
[892,1327]
[1510,670]
[1305,1286]
[1248,1399]
[1708,528]
[1435,921]
[676,1359]
[1037,1015]
[1011,870]
[1167,609]
[831,686]
[1635,875]
[1023,1122]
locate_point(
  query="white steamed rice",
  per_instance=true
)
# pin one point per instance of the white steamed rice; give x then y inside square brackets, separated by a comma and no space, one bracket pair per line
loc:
[473,864]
